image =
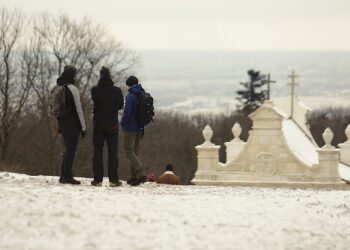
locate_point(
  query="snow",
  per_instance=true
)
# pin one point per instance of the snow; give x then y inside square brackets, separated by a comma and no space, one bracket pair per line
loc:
[38,213]
[299,143]
[304,149]
[344,171]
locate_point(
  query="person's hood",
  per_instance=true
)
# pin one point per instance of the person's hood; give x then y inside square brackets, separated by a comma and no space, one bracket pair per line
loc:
[105,81]
[67,76]
[136,89]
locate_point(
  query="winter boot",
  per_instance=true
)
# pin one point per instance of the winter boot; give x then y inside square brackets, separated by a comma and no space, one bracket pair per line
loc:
[115,183]
[133,182]
[69,181]
[96,184]
[142,179]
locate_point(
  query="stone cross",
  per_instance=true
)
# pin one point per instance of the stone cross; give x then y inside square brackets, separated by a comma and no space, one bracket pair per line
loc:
[269,81]
[293,84]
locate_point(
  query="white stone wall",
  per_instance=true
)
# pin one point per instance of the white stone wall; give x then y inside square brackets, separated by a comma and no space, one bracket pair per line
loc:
[266,156]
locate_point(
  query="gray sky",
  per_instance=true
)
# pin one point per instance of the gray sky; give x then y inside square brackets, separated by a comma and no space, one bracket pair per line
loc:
[213,24]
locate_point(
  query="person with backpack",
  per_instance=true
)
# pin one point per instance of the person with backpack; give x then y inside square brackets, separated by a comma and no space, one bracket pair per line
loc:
[137,114]
[67,108]
[107,99]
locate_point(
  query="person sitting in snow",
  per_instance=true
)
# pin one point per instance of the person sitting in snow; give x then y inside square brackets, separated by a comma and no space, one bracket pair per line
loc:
[169,177]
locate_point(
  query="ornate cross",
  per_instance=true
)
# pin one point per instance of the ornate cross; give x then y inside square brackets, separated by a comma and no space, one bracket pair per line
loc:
[293,84]
[269,81]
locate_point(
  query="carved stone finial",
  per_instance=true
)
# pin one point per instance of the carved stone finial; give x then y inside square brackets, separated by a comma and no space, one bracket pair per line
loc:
[207,134]
[328,137]
[237,131]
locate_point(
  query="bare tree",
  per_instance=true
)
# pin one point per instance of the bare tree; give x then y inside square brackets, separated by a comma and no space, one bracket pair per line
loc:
[85,44]
[14,82]
[29,68]
[39,62]
[58,41]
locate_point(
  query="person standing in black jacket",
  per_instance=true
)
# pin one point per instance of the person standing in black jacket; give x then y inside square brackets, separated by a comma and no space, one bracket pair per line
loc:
[71,124]
[107,99]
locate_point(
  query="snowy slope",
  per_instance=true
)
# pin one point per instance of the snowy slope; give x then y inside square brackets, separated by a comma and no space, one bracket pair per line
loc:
[299,143]
[37,213]
[304,148]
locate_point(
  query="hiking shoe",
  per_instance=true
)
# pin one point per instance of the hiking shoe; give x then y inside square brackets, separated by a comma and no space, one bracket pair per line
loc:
[130,180]
[133,182]
[69,181]
[115,183]
[142,179]
[96,183]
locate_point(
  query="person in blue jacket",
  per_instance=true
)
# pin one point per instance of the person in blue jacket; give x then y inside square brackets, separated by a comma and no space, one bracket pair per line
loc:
[133,132]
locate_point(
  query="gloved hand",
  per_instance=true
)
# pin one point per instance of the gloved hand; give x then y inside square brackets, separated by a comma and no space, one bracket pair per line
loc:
[83,134]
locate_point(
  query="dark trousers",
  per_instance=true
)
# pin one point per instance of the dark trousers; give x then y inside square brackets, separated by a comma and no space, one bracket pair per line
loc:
[70,132]
[99,138]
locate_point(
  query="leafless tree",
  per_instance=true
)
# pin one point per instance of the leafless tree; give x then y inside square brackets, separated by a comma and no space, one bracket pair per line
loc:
[14,80]
[58,40]
[85,44]
[34,51]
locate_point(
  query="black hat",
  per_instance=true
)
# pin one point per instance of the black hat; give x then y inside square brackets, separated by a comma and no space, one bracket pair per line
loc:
[69,71]
[169,167]
[105,72]
[131,81]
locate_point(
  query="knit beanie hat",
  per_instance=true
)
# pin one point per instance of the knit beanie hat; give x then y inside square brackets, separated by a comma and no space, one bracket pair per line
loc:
[169,167]
[104,72]
[131,81]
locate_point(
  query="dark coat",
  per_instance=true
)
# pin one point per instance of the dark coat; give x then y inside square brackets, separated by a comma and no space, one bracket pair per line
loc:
[129,116]
[108,99]
[74,113]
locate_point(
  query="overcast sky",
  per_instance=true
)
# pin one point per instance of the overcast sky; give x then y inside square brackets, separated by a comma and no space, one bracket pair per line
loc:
[213,24]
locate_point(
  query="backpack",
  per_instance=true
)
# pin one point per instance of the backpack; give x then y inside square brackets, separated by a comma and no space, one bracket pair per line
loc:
[57,101]
[144,109]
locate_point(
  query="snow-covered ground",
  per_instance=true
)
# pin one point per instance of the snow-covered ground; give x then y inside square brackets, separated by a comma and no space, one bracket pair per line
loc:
[38,213]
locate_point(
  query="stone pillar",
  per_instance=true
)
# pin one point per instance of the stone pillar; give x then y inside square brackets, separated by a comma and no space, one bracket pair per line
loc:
[208,154]
[329,157]
[345,148]
[234,147]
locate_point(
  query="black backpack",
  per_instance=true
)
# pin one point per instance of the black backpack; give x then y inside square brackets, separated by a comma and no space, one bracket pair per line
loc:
[144,109]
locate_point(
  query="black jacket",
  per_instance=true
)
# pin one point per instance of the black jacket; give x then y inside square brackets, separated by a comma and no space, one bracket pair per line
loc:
[74,111]
[108,99]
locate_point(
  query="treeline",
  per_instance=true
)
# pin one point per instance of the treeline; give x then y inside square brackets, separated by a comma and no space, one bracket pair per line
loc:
[337,118]
[170,139]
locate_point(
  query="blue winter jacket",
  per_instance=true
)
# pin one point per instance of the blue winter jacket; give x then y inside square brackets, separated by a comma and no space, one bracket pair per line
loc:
[129,116]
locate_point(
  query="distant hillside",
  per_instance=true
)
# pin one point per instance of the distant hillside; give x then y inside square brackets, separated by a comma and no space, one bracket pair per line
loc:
[196,79]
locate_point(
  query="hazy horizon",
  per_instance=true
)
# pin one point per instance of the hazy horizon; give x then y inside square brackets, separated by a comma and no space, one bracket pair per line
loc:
[208,80]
